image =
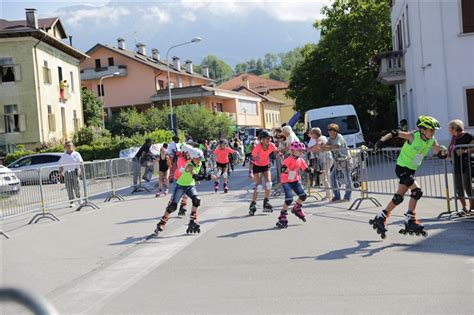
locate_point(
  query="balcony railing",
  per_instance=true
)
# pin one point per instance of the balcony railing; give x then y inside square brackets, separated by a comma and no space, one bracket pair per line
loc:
[392,68]
[97,73]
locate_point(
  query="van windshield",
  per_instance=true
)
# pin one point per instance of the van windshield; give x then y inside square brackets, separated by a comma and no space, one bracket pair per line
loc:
[347,124]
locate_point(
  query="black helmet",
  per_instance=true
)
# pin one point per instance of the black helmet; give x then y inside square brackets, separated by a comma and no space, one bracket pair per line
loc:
[264,134]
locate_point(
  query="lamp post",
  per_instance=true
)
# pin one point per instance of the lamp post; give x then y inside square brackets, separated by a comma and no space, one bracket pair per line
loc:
[102,93]
[194,40]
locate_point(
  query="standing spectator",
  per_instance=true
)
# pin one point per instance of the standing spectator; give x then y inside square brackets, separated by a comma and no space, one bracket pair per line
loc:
[342,162]
[290,137]
[324,159]
[141,159]
[404,125]
[71,170]
[461,161]
[164,165]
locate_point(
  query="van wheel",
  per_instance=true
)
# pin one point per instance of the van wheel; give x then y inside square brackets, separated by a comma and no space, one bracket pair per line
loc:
[55,177]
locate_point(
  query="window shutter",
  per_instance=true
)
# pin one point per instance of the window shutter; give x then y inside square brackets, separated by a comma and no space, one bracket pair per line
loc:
[467,7]
[22,122]
[2,124]
[17,73]
[470,106]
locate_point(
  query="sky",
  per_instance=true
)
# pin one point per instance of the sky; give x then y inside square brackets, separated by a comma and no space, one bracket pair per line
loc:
[234,31]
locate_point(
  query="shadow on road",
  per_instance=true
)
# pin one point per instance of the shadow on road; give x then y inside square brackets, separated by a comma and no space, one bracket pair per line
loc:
[236,234]
[362,249]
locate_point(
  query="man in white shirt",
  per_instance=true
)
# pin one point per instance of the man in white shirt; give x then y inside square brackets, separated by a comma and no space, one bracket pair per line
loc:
[70,169]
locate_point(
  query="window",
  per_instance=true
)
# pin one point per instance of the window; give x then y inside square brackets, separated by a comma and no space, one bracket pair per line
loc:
[43,159]
[9,72]
[403,28]
[470,106]
[111,61]
[399,36]
[247,107]
[71,76]
[46,73]
[161,84]
[24,162]
[51,119]
[97,63]
[12,118]
[218,107]
[408,27]
[467,8]
[100,90]
[60,74]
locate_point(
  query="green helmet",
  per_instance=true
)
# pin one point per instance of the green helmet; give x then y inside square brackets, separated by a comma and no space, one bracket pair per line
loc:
[427,122]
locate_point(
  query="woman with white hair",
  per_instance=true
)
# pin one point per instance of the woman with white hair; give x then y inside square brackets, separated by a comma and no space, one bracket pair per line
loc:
[461,163]
[324,157]
[290,136]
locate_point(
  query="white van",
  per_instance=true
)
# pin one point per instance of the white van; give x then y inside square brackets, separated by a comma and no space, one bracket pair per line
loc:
[344,116]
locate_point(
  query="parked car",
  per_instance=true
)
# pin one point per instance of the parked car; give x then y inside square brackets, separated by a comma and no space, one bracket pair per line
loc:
[9,182]
[27,168]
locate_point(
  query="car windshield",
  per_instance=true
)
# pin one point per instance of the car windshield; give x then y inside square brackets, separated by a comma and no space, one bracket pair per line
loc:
[347,124]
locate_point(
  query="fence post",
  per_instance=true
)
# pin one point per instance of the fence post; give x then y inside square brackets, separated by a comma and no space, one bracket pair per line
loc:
[43,214]
[364,185]
[448,199]
[86,202]
[113,193]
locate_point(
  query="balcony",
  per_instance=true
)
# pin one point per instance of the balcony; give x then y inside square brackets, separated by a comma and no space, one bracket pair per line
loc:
[97,73]
[392,68]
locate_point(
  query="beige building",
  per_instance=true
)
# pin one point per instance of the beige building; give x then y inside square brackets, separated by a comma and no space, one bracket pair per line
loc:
[273,89]
[40,93]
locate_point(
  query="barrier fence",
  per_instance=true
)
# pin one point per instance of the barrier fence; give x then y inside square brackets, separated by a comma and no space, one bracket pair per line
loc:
[358,171]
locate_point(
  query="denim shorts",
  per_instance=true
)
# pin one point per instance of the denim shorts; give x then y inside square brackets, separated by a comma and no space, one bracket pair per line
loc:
[293,186]
[179,191]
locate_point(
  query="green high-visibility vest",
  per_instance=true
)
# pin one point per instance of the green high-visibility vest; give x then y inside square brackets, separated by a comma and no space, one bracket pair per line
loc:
[186,179]
[412,154]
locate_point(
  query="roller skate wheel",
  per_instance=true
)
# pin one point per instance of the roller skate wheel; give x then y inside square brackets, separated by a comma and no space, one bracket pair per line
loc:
[383,235]
[424,234]
[417,233]
[402,231]
[410,232]
[303,219]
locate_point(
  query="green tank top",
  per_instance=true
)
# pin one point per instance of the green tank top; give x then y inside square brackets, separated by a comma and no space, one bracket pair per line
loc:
[412,154]
[186,179]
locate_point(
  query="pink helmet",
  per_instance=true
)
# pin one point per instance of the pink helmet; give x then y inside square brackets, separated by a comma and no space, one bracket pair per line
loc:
[296,145]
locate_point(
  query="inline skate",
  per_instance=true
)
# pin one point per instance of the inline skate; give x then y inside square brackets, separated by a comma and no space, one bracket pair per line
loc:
[226,188]
[412,226]
[160,226]
[252,208]
[282,220]
[298,211]
[267,207]
[216,186]
[193,226]
[182,209]
[378,223]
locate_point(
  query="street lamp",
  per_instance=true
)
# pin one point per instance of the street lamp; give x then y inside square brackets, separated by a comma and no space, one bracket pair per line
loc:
[102,93]
[194,40]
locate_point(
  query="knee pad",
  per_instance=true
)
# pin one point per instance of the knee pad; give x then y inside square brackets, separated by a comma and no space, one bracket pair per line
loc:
[268,185]
[416,193]
[172,206]
[258,188]
[225,175]
[196,201]
[397,199]
[288,201]
[303,197]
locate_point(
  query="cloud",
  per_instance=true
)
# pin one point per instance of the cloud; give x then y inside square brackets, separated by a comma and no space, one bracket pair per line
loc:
[85,14]
[189,16]
[158,14]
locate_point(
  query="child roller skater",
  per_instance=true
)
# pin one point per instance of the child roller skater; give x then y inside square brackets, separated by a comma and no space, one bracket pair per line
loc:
[290,180]
[185,185]
[164,165]
[222,161]
[260,166]
[183,160]
[411,156]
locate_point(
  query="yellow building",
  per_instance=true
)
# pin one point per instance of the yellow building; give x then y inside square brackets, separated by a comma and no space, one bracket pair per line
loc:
[40,91]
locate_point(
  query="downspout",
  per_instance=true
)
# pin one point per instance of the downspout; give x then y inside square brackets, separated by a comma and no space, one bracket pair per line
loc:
[443,39]
[39,88]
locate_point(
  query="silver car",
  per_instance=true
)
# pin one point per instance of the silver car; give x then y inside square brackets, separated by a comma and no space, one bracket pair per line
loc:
[9,182]
[27,168]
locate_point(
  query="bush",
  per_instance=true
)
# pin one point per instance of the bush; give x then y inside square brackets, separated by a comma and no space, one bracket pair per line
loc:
[83,136]
[11,157]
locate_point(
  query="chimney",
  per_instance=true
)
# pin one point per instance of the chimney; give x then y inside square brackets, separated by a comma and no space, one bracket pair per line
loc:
[246,80]
[155,54]
[189,66]
[141,49]
[121,43]
[205,71]
[70,40]
[176,63]
[31,18]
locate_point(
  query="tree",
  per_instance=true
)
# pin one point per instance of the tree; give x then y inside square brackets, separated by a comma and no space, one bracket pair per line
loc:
[218,69]
[92,107]
[270,61]
[338,71]
[259,68]
[240,68]
[201,123]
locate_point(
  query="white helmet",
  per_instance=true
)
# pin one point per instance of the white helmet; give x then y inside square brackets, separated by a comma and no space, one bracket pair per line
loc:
[186,148]
[196,153]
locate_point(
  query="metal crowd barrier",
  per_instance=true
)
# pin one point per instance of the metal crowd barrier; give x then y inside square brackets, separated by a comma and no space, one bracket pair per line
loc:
[463,180]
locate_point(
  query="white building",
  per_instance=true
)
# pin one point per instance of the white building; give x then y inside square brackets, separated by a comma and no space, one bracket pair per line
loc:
[432,64]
